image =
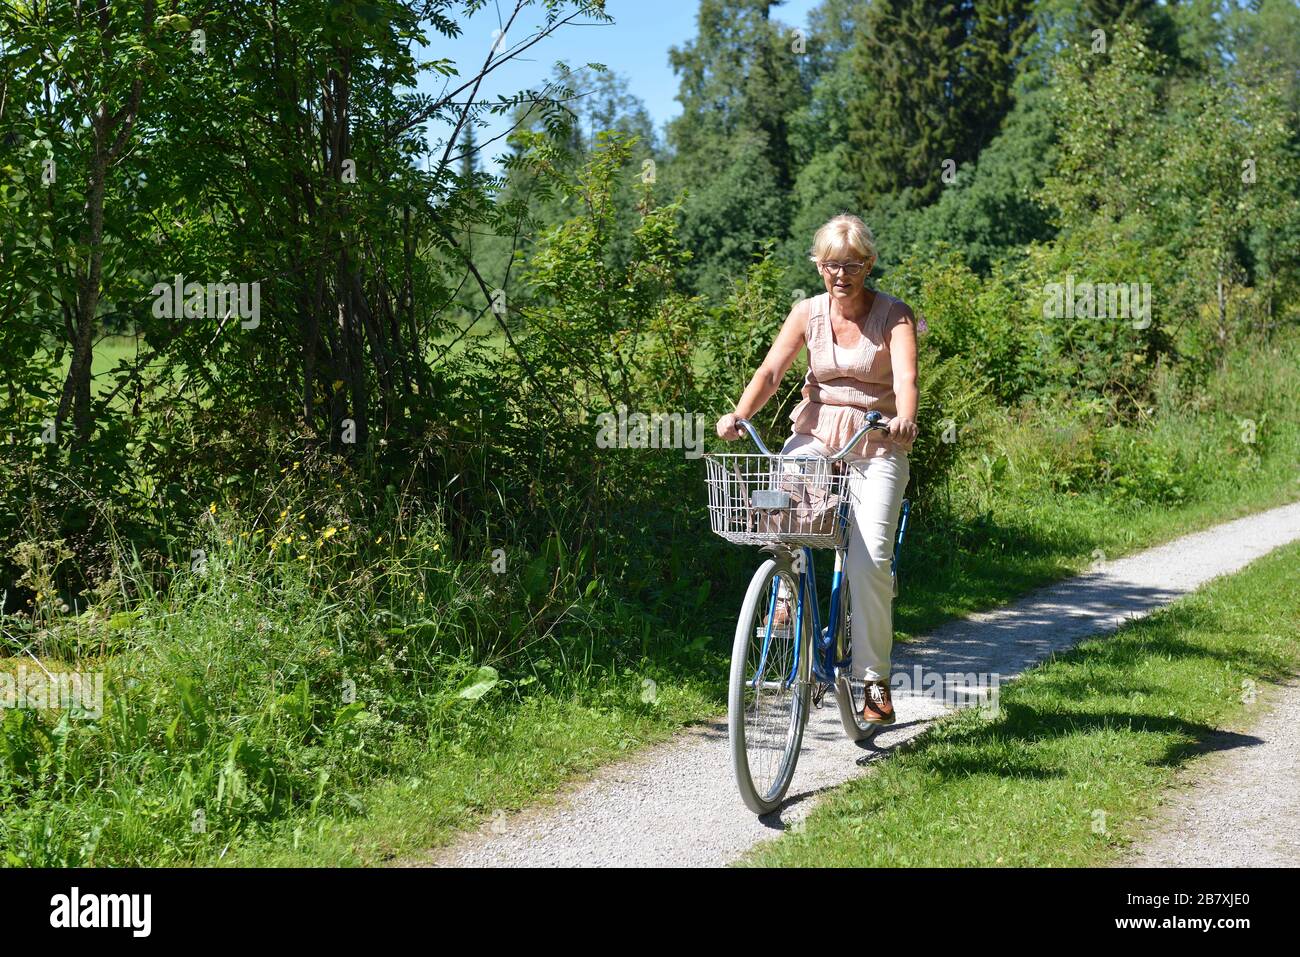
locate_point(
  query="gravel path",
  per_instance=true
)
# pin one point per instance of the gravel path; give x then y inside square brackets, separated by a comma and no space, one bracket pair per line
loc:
[1241,803]
[676,803]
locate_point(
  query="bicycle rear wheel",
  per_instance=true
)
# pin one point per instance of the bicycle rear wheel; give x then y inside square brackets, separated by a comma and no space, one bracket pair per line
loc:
[850,692]
[769,694]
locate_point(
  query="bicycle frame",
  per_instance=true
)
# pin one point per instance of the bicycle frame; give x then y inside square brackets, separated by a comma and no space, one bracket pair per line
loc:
[824,662]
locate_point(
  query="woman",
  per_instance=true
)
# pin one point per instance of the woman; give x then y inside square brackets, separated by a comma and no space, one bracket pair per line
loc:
[861,357]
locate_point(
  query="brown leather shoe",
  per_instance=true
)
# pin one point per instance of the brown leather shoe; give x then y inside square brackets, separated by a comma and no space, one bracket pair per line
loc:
[879,708]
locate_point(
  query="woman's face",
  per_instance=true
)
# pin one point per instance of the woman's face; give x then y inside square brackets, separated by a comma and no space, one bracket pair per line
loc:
[838,282]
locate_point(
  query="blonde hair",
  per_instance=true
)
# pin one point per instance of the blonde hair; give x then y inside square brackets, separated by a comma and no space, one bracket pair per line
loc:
[844,232]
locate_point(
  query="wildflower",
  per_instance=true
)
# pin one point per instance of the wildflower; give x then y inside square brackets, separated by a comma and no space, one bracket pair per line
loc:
[329,532]
[212,508]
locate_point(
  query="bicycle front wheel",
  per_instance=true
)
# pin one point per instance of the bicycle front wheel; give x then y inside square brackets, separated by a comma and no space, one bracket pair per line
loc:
[770,686]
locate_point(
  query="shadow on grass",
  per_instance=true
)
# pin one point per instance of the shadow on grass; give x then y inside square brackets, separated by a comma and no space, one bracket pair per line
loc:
[1053,706]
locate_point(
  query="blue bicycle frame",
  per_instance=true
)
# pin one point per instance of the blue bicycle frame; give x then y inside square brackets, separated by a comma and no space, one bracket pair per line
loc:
[824,662]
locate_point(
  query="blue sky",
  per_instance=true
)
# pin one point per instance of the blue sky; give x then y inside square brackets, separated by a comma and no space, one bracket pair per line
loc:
[635,46]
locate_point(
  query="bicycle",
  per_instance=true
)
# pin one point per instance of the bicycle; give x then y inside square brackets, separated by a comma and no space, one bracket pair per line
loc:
[788,504]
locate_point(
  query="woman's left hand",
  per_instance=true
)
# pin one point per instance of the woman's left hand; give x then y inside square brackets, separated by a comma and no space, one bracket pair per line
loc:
[902,432]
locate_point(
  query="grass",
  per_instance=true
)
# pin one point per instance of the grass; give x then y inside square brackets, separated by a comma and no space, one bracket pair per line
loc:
[525,752]
[1042,496]
[109,351]
[1081,750]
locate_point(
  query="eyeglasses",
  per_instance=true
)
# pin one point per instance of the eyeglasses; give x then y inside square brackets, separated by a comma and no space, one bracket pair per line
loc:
[849,269]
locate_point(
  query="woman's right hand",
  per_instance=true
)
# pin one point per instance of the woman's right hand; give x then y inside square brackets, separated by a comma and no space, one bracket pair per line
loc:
[727,428]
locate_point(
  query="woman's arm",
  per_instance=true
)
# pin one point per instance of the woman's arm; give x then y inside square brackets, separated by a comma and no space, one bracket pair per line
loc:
[769,375]
[902,357]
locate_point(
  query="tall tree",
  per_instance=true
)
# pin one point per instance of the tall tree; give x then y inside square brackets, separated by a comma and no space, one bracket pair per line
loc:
[741,79]
[740,74]
[936,82]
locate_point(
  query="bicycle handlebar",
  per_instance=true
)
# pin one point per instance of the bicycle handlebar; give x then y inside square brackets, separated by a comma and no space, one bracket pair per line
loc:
[753,434]
[875,423]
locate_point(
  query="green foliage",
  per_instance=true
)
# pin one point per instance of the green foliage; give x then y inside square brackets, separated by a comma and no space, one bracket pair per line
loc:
[285,616]
[740,83]
[1131,142]
[935,84]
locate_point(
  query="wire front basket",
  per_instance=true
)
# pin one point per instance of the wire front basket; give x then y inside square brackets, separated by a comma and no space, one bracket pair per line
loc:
[778,499]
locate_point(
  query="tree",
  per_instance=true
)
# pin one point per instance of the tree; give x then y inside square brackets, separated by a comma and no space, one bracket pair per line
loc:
[738,76]
[936,82]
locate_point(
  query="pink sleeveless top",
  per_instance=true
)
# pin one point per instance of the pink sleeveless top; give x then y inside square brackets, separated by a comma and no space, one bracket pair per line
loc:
[840,390]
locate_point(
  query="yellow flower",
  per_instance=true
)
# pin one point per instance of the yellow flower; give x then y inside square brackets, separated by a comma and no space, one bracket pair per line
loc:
[436,547]
[212,508]
[284,513]
[379,539]
[329,532]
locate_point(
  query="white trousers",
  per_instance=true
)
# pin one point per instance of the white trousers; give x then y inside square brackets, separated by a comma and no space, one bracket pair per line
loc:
[876,486]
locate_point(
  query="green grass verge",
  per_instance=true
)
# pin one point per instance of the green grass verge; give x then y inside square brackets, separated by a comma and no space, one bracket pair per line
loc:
[530,751]
[1080,750]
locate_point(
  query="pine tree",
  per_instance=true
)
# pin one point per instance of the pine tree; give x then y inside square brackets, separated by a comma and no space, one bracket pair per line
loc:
[935,85]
